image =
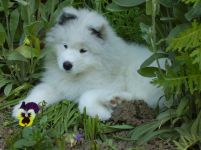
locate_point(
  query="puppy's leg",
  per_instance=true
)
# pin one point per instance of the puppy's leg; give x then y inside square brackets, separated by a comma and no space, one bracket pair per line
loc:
[92,100]
[41,92]
[100,102]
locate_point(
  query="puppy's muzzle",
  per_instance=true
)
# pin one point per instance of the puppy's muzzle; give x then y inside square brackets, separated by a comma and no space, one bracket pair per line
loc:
[67,65]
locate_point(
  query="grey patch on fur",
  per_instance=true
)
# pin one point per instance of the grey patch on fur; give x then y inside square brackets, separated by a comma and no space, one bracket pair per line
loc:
[66,17]
[96,33]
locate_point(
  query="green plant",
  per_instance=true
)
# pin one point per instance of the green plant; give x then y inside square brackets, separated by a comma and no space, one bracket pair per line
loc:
[91,127]
[189,134]
[173,27]
[22,30]
[50,129]
[60,117]
[34,138]
[126,23]
[170,28]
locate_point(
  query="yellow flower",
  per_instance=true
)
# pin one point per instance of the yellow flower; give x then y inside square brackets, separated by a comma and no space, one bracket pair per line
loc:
[26,117]
[26,42]
[26,113]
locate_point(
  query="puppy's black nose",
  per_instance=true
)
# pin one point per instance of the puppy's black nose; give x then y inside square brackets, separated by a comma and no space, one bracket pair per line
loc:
[67,65]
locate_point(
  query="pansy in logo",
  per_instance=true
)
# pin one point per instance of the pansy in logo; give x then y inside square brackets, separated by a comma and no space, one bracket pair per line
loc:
[27,113]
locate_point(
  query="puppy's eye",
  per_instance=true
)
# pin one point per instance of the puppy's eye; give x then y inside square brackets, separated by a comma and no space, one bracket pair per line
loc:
[83,50]
[65,46]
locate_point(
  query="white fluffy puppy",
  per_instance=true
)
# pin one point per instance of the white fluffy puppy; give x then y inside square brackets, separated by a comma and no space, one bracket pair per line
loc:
[88,63]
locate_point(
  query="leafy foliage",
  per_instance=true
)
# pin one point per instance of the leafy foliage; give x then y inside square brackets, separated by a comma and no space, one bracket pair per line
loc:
[60,117]
[187,76]
[126,23]
[190,1]
[90,126]
[21,43]
[170,28]
[22,30]
[174,27]
[190,134]
[49,128]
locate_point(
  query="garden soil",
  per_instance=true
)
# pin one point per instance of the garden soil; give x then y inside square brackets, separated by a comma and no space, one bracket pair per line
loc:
[4,131]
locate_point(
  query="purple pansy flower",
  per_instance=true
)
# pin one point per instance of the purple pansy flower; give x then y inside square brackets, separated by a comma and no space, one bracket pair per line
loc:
[30,105]
[27,113]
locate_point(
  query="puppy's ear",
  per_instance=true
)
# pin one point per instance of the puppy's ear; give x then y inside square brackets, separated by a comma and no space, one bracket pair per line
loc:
[99,32]
[67,15]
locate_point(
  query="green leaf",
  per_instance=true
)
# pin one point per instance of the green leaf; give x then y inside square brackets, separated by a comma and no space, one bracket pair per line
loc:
[194,12]
[43,120]
[149,7]
[8,89]
[14,19]
[124,127]
[150,135]
[9,103]
[181,109]
[50,6]
[153,58]
[33,28]
[186,143]
[27,52]
[15,55]
[22,143]
[186,40]
[169,3]
[4,4]
[2,34]
[196,55]
[167,19]
[178,29]
[24,3]
[169,102]
[143,129]
[3,83]
[165,116]
[113,7]
[27,133]
[128,3]
[146,32]
[178,13]
[196,126]
[24,15]
[30,143]
[148,71]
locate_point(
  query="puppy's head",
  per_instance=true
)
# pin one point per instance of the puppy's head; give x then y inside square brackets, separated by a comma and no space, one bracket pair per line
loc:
[78,39]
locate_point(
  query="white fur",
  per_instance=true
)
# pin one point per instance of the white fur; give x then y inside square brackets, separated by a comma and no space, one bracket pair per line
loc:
[107,70]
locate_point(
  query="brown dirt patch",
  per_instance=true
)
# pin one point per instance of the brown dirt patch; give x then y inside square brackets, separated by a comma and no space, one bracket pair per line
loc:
[133,113]
[4,131]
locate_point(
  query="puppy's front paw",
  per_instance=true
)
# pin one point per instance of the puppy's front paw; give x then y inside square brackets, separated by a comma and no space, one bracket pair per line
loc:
[102,114]
[100,111]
